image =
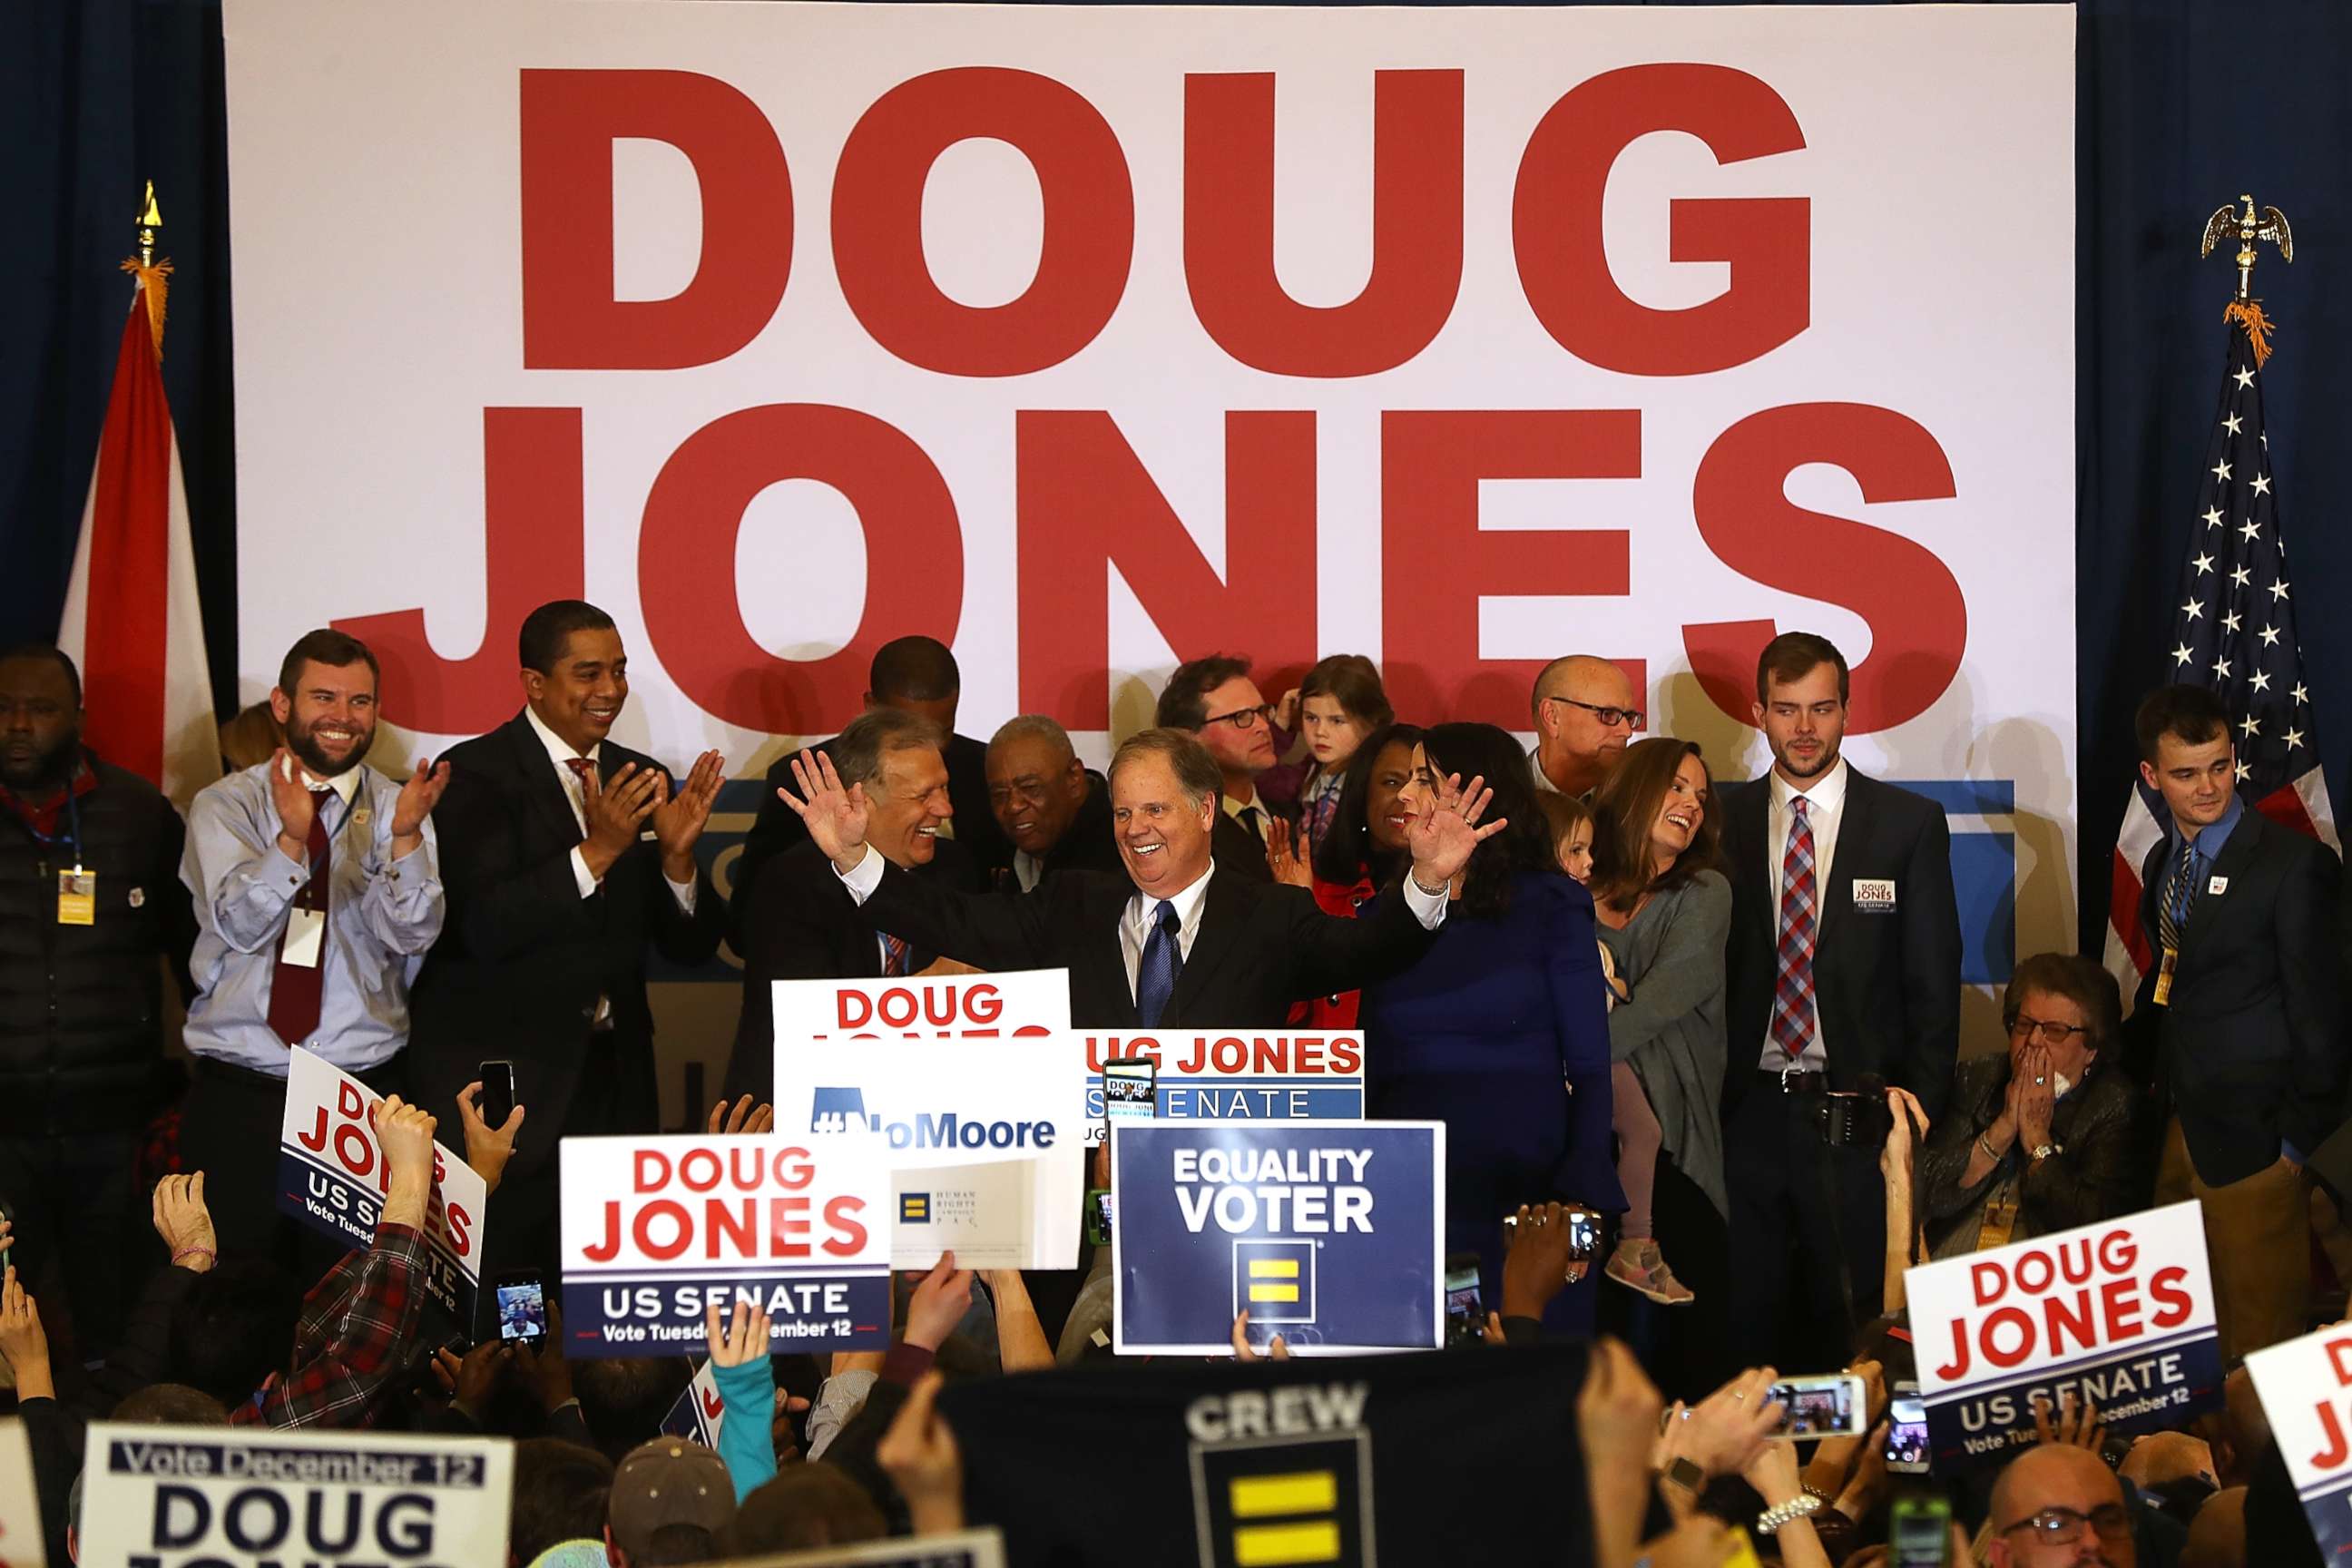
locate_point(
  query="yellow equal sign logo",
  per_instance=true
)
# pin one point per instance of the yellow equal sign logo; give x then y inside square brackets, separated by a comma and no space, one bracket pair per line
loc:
[1274,1280]
[915,1208]
[1284,1503]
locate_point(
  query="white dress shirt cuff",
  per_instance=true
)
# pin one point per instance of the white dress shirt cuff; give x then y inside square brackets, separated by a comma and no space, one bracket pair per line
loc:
[867,877]
[581,875]
[1428,908]
[683,893]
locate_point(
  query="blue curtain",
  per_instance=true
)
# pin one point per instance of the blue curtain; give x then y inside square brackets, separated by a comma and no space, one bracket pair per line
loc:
[2182,104]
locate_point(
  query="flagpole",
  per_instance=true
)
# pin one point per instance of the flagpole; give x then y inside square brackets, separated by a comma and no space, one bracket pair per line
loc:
[154,277]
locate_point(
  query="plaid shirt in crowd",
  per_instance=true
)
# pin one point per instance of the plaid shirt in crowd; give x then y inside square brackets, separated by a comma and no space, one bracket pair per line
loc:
[352,1340]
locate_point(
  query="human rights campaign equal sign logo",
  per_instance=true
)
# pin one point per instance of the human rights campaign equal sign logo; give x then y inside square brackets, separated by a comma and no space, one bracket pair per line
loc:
[1328,1233]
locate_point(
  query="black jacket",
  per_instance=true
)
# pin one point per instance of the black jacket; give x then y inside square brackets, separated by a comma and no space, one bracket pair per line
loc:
[778,826]
[1088,844]
[1259,948]
[523,957]
[2094,1176]
[2250,1049]
[81,1048]
[798,923]
[1888,984]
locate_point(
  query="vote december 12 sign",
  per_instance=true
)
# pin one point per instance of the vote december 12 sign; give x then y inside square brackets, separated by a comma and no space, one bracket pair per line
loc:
[971,1091]
[1329,1232]
[2302,1384]
[176,1496]
[331,1178]
[2120,1313]
[655,1226]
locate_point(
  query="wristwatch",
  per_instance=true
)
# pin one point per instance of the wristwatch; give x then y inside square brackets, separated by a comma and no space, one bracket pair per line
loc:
[1686,1475]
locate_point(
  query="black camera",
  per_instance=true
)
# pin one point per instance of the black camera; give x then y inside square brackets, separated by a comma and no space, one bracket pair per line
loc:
[1854,1120]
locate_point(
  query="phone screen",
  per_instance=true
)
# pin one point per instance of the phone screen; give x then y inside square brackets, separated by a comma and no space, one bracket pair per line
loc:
[1822,1407]
[1129,1091]
[1465,1313]
[522,1308]
[498,1092]
[1919,1533]
[1907,1431]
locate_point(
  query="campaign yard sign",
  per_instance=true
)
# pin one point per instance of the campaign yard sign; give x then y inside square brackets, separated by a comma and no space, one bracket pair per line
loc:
[21,1540]
[2120,1313]
[180,1496]
[331,1178]
[964,1549]
[970,1090]
[1330,1233]
[655,1226]
[1237,1075]
[2303,1386]
[700,1410]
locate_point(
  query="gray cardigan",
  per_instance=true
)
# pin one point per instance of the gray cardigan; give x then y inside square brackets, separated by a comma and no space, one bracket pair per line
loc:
[1670,956]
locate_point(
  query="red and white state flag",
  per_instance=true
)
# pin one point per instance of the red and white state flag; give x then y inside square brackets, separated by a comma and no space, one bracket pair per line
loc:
[131,621]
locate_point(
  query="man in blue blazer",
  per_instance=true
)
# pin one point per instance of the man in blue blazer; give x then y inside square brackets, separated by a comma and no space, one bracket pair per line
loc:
[1843,965]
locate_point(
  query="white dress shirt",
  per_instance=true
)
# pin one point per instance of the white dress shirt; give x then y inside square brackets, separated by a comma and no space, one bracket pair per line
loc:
[1136,922]
[559,753]
[1027,869]
[1535,768]
[1824,805]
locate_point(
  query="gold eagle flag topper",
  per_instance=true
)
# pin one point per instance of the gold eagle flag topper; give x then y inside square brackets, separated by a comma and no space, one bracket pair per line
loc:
[154,277]
[2272,226]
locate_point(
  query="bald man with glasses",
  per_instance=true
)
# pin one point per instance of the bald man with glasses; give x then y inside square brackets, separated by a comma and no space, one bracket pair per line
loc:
[1584,716]
[2058,1505]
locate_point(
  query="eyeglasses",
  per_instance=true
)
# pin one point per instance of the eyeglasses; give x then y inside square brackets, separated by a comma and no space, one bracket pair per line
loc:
[2049,1033]
[2063,1526]
[1610,717]
[1241,718]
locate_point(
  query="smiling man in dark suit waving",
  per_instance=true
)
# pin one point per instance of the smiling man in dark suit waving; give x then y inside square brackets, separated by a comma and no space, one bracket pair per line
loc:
[1843,963]
[564,854]
[1170,945]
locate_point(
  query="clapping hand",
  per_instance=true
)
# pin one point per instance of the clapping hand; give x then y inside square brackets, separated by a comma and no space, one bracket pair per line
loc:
[417,798]
[614,811]
[836,816]
[1443,838]
[680,820]
[295,803]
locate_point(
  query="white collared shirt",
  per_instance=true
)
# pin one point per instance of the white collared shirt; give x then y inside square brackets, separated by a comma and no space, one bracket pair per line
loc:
[1824,806]
[560,754]
[1535,767]
[1135,923]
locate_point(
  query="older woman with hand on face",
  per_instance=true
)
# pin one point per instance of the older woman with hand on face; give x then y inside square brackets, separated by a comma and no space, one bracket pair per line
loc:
[2042,1138]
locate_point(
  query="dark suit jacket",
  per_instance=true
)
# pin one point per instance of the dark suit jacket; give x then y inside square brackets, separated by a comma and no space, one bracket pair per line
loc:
[1238,852]
[1259,948]
[2096,1175]
[2250,1049]
[523,957]
[778,826]
[800,924]
[1087,845]
[1887,985]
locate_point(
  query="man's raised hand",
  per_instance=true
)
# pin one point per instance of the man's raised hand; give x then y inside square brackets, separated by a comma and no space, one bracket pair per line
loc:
[295,803]
[417,798]
[614,812]
[836,816]
[1444,836]
[680,820]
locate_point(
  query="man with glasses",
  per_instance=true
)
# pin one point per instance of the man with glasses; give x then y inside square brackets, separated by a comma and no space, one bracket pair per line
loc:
[2239,1025]
[1215,700]
[2060,1507]
[1584,716]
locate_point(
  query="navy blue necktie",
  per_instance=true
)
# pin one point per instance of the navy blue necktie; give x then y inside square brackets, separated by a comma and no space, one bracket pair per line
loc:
[1155,977]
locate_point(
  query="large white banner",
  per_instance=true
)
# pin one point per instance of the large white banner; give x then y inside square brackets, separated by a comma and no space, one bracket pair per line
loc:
[1086,339]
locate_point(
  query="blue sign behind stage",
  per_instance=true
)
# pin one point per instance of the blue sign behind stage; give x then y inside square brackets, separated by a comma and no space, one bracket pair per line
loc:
[1328,1233]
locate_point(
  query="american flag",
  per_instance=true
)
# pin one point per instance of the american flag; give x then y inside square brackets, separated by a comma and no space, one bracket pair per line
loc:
[2233,630]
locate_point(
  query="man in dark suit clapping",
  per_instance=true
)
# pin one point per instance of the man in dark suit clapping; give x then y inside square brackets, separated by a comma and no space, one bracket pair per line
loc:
[1843,963]
[1172,944]
[2238,1025]
[562,855]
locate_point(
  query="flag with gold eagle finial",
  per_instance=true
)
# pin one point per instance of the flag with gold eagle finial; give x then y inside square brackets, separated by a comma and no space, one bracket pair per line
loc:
[132,620]
[2233,631]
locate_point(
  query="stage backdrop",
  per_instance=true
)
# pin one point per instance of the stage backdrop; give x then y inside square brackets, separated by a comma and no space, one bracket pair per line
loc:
[1084,340]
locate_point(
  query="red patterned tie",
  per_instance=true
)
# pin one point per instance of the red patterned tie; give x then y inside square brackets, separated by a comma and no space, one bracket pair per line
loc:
[581,768]
[894,957]
[1792,989]
[295,988]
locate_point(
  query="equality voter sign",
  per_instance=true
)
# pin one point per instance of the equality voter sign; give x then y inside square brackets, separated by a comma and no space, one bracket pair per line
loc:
[654,1227]
[1236,1075]
[985,1144]
[2119,1313]
[331,1178]
[700,1410]
[2305,1386]
[179,1497]
[964,1549]
[1330,1233]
